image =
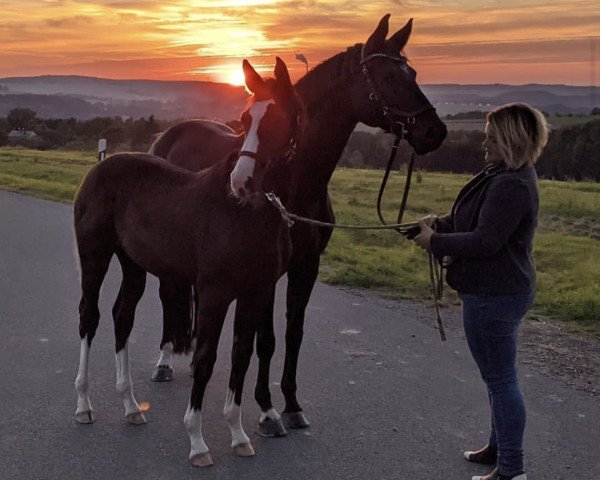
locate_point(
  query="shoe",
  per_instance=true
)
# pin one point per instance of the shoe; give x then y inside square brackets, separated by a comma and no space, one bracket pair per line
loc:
[495,475]
[486,456]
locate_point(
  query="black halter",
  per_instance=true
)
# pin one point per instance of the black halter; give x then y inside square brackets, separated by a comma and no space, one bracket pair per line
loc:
[292,147]
[394,115]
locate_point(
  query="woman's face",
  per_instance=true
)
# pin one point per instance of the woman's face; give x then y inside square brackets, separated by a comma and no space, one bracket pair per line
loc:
[490,145]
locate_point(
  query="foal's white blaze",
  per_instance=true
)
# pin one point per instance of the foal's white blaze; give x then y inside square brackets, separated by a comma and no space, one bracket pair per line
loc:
[233,415]
[82,382]
[244,169]
[193,425]
[166,355]
[124,383]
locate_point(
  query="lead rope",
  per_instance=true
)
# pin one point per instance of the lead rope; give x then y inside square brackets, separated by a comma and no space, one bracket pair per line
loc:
[409,229]
[291,218]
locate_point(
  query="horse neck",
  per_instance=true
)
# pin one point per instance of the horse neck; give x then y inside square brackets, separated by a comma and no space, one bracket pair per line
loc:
[326,92]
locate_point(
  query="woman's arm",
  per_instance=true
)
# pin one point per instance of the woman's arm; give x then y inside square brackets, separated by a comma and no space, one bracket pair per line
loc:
[506,202]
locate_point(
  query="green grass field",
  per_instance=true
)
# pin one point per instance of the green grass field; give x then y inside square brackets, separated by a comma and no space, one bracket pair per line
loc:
[567,246]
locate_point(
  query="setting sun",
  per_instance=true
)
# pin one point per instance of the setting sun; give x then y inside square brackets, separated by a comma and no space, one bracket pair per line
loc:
[236,76]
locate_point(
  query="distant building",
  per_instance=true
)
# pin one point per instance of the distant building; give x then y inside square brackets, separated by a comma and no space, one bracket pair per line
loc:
[22,134]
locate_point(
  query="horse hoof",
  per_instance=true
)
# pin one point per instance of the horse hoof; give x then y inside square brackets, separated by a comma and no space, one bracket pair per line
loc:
[136,418]
[85,418]
[295,420]
[162,373]
[271,428]
[201,460]
[244,450]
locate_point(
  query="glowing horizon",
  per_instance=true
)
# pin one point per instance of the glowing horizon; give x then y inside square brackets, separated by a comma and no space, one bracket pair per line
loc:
[452,42]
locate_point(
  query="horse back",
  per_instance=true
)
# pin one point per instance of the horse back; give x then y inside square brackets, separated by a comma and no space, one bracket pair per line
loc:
[196,144]
[177,224]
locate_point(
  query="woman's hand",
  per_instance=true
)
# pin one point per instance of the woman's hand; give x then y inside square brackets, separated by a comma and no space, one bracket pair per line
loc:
[429,219]
[423,239]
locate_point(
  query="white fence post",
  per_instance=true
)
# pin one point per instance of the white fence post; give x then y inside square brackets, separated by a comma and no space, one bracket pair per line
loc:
[101,149]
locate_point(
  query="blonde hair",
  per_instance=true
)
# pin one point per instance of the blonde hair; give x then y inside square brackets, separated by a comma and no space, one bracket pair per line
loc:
[521,133]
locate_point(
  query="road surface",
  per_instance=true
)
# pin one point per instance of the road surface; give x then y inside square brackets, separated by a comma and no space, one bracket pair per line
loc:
[387,399]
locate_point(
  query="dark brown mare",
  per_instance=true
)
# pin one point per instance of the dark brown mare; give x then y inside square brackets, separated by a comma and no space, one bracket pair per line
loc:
[371,83]
[188,228]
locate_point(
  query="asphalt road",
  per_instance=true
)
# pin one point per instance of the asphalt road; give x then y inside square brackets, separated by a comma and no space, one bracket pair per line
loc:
[387,399]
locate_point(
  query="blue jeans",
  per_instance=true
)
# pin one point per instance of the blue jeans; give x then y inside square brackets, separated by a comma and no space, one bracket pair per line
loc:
[491,325]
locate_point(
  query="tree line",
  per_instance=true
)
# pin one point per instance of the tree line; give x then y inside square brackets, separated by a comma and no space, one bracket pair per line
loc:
[22,126]
[572,152]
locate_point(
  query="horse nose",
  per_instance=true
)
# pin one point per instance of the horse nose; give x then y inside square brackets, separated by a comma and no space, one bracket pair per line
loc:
[240,189]
[436,133]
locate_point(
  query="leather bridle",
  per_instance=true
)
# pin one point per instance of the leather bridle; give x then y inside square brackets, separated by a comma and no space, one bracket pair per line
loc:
[406,120]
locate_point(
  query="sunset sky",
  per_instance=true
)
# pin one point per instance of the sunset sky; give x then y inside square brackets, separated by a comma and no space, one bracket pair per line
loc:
[469,41]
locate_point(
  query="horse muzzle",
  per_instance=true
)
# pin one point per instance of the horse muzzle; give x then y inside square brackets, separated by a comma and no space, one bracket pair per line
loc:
[241,176]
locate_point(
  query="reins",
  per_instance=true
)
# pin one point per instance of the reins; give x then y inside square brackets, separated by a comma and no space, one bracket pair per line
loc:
[435,267]
[386,175]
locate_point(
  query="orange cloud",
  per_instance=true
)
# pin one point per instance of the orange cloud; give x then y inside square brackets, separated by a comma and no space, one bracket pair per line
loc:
[472,41]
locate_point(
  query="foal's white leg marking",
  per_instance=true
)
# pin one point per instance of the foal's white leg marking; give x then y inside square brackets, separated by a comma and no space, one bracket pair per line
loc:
[125,388]
[233,414]
[271,414]
[199,455]
[244,168]
[82,384]
[166,355]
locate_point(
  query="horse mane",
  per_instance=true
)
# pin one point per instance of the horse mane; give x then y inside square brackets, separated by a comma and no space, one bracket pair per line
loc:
[326,76]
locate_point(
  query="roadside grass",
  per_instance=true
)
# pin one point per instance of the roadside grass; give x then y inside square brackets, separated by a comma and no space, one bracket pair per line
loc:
[53,175]
[566,250]
[568,274]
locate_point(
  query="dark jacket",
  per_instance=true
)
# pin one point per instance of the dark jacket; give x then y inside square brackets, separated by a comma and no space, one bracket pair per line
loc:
[489,233]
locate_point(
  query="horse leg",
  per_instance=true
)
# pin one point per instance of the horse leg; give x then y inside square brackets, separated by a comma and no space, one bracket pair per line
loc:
[132,289]
[301,281]
[177,326]
[270,424]
[94,265]
[210,316]
[247,319]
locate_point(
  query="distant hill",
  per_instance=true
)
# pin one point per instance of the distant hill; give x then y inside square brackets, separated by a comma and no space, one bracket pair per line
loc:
[563,99]
[88,97]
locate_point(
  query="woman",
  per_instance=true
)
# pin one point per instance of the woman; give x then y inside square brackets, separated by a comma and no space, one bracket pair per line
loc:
[487,240]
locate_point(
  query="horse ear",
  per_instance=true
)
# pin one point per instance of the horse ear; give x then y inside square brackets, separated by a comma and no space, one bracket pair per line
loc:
[376,40]
[254,81]
[282,75]
[400,38]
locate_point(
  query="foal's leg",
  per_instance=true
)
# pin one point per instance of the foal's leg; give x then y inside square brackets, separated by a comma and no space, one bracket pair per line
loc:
[270,424]
[210,316]
[301,280]
[132,289]
[249,310]
[94,265]
[177,326]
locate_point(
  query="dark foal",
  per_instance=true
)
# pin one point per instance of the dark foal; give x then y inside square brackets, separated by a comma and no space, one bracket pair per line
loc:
[371,83]
[189,229]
